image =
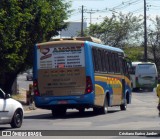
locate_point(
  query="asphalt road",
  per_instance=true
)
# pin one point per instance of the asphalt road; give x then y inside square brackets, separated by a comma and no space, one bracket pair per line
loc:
[142,114]
[22,82]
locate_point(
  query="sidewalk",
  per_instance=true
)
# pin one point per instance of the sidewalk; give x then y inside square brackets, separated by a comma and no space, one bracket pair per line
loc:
[22,98]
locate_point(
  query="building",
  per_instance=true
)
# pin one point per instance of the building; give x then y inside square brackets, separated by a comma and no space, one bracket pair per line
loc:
[73,29]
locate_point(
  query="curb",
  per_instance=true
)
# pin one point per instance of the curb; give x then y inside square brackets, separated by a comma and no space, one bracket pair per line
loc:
[29,107]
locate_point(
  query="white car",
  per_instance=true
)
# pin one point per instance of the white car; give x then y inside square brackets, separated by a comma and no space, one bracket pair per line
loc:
[11,111]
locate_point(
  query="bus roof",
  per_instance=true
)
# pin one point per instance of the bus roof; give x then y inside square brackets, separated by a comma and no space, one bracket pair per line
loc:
[95,42]
[136,63]
[89,38]
[105,47]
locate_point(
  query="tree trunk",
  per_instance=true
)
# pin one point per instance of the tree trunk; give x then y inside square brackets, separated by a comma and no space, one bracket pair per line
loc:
[7,81]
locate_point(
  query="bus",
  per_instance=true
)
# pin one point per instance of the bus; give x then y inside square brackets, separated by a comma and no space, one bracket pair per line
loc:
[80,73]
[144,75]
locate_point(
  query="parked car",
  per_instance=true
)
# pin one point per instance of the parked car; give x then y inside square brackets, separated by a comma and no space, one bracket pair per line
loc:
[29,75]
[11,111]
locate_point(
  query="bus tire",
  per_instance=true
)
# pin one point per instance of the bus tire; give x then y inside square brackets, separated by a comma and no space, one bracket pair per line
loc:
[104,109]
[123,106]
[81,110]
[135,89]
[150,89]
[96,110]
[59,112]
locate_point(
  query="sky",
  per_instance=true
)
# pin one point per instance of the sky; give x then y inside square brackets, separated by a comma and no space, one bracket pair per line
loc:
[96,10]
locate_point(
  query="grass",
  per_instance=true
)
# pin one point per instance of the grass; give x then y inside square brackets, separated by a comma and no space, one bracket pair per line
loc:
[18,96]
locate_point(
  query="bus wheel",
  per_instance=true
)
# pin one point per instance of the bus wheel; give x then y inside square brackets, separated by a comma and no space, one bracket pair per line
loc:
[81,110]
[59,111]
[104,109]
[136,89]
[123,107]
[150,89]
[96,110]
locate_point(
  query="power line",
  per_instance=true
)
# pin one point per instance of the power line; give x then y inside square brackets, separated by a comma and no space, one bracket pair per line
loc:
[125,4]
[153,6]
[137,10]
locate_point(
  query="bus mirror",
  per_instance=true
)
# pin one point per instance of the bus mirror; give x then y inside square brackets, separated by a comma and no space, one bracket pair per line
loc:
[129,64]
[130,70]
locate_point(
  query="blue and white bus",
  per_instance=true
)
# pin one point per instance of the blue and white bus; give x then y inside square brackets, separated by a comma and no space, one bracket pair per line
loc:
[80,73]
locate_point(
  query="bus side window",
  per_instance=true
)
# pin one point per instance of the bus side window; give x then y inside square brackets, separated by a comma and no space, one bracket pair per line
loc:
[110,61]
[94,59]
[114,62]
[103,61]
[106,61]
[99,60]
[117,63]
[121,65]
[125,67]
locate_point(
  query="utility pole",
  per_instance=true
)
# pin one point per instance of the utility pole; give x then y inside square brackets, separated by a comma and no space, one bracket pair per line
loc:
[82,34]
[145,33]
[90,18]
[91,12]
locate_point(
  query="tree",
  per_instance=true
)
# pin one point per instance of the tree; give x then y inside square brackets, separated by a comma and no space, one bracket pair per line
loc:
[154,42]
[134,53]
[118,30]
[23,23]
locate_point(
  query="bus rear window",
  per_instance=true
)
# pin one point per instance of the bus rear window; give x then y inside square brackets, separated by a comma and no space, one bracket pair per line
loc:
[146,68]
[61,57]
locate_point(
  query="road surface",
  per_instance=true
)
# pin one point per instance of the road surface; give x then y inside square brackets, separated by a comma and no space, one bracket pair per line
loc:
[142,114]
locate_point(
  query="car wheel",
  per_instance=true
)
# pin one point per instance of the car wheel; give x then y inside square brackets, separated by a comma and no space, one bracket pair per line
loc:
[17,119]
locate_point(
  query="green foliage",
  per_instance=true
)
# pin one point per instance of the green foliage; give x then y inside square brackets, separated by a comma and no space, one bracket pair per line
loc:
[118,30]
[154,42]
[23,23]
[121,30]
[134,53]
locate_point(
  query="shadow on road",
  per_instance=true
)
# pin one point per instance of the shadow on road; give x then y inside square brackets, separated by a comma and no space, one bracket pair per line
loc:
[68,115]
[142,91]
